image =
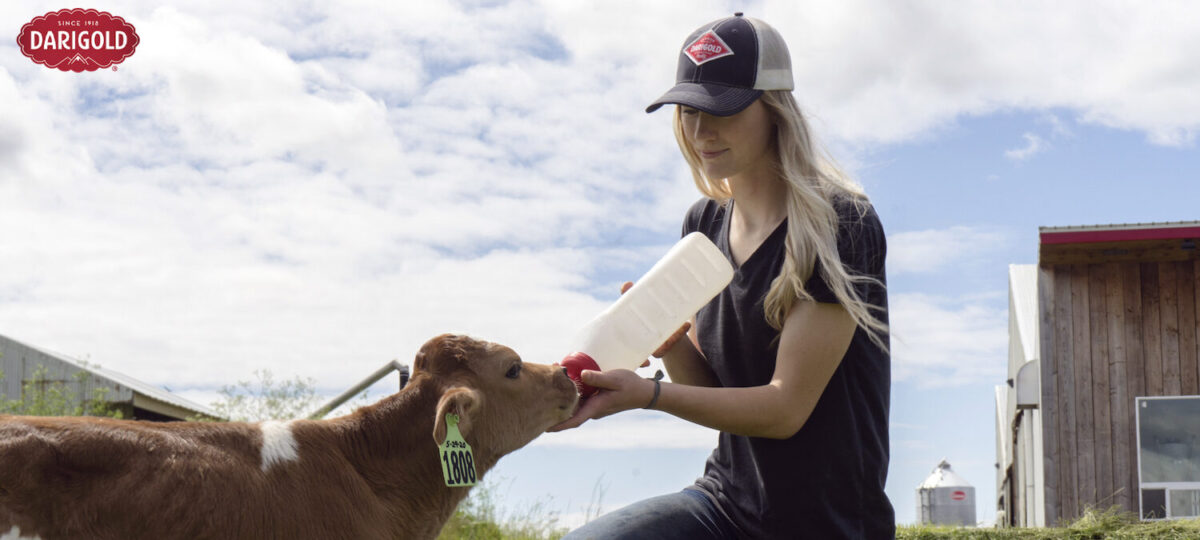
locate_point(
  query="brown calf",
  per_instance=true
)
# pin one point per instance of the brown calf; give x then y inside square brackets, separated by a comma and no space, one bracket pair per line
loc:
[373,474]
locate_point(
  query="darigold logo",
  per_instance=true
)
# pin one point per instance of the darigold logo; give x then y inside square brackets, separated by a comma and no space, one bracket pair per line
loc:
[78,40]
[706,48]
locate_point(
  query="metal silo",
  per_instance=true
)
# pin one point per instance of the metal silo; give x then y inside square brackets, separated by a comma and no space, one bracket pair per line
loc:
[944,498]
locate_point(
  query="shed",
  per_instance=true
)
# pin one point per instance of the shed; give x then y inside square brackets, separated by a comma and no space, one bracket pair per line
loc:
[138,400]
[1116,319]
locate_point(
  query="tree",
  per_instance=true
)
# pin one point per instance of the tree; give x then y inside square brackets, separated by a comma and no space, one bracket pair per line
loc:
[267,399]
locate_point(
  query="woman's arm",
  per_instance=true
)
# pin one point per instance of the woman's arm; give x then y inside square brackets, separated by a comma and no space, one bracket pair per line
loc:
[686,365]
[815,336]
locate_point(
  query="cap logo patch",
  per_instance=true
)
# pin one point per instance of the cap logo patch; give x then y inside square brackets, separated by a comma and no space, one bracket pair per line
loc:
[706,48]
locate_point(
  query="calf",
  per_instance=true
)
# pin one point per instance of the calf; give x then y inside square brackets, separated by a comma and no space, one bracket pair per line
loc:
[375,473]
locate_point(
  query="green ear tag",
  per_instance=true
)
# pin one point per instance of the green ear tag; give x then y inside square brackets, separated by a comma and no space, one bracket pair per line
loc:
[458,465]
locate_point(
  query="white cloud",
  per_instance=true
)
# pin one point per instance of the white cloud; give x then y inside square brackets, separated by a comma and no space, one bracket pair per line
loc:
[1036,144]
[333,184]
[928,251]
[887,71]
[940,342]
[251,191]
[633,429]
[1033,145]
[1058,128]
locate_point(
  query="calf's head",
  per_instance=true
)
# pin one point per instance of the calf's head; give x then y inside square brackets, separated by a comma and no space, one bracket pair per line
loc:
[502,403]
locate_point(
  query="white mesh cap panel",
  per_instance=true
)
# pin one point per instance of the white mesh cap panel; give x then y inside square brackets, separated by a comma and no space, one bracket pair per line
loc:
[774,62]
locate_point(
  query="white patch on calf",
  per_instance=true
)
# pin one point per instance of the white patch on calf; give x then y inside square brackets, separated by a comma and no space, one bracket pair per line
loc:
[15,534]
[278,443]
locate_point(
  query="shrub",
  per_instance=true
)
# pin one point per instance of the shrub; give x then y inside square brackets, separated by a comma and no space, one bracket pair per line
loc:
[267,399]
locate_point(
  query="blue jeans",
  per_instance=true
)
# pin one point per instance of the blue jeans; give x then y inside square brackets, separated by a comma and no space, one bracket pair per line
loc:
[687,515]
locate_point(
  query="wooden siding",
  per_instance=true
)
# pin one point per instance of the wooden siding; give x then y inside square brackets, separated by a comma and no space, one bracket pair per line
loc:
[1085,424]
[1110,332]
[1051,388]
[1120,405]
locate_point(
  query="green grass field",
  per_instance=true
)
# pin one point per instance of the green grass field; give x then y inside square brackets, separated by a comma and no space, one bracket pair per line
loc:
[477,519]
[1093,525]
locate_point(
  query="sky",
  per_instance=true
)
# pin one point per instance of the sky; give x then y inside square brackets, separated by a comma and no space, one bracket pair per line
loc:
[319,190]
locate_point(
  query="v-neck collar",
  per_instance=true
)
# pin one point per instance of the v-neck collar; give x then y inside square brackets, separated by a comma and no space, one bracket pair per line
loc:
[727,248]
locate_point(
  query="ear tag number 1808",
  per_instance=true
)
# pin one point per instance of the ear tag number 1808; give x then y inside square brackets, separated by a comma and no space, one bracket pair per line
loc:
[458,464]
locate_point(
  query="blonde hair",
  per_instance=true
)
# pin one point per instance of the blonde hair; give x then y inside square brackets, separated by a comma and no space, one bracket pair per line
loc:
[813,181]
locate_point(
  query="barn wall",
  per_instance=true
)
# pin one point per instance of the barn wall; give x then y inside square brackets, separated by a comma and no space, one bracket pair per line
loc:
[1110,332]
[20,362]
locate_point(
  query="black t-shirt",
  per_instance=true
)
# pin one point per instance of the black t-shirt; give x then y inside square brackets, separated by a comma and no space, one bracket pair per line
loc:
[827,480]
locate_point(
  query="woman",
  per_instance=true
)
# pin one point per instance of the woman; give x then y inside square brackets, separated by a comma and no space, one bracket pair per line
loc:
[790,362]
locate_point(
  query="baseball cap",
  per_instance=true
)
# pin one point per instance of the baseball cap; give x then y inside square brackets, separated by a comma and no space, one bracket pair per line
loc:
[727,64]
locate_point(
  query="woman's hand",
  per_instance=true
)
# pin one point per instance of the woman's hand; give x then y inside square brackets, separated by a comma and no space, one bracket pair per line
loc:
[617,390]
[671,340]
[814,339]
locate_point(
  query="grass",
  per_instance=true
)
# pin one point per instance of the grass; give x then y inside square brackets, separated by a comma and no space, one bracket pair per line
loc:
[477,518]
[1094,525]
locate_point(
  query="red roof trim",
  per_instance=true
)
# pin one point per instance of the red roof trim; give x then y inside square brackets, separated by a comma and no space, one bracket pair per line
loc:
[1118,235]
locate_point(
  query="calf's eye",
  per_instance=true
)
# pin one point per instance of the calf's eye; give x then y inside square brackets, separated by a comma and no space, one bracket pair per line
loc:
[514,371]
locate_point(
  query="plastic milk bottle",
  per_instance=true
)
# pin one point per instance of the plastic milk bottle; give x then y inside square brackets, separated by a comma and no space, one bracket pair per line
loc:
[674,289]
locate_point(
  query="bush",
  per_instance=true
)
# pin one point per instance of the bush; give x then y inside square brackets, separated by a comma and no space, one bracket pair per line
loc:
[267,399]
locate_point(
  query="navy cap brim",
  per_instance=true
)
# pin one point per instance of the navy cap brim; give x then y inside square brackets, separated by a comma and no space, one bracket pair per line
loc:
[714,99]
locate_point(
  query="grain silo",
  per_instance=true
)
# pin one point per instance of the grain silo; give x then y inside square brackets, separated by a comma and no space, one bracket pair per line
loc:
[945,498]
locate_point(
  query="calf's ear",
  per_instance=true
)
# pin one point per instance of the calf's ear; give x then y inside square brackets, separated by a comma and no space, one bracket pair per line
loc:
[458,400]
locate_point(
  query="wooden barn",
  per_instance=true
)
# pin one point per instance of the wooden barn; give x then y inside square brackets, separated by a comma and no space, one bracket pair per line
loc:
[137,400]
[1105,325]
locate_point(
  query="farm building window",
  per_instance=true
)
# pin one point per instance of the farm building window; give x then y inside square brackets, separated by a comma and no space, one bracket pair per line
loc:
[1168,430]
[1154,503]
[1185,502]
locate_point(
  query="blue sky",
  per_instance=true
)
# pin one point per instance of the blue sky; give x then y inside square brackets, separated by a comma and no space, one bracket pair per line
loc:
[319,191]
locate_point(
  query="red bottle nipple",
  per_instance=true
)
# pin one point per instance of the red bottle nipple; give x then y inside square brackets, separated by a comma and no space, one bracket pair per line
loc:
[575,363]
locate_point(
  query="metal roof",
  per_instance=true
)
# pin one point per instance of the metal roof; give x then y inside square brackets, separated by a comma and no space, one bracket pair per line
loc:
[139,387]
[943,476]
[1120,232]
[1176,241]
[1122,226]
